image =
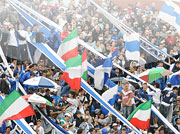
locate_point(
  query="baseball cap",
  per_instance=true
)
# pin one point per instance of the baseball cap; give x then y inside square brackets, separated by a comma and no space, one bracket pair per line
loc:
[67,114]
[31,124]
[114,124]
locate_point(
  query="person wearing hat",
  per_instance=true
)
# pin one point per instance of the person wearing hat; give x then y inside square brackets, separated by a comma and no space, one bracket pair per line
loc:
[38,128]
[114,35]
[56,97]
[31,124]
[63,103]
[65,123]
[123,130]
[115,128]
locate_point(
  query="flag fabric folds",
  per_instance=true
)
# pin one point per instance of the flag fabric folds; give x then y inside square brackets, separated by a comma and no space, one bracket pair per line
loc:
[69,47]
[170,13]
[110,96]
[14,107]
[102,73]
[132,47]
[140,117]
[49,3]
[84,65]
[72,74]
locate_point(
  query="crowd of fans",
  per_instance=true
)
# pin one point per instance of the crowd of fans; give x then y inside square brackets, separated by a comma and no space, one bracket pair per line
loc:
[100,34]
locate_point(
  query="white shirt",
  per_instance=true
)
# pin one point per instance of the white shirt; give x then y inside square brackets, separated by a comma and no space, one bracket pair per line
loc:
[40,130]
[23,34]
[74,102]
[12,39]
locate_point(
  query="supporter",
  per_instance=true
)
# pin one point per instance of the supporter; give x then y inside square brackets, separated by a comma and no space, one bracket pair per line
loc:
[4,85]
[127,96]
[105,121]
[65,121]
[38,128]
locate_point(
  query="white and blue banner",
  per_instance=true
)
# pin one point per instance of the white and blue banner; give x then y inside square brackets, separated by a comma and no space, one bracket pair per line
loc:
[132,47]
[170,13]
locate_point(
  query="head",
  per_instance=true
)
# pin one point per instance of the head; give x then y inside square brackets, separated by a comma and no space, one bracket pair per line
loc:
[144,86]
[67,116]
[31,124]
[38,122]
[16,75]
[115,126]
[126,86]
[21,27]
[65,97]
[175,89]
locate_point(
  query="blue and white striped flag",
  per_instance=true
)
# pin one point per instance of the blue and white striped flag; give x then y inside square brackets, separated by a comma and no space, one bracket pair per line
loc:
[101,73]
[132,47]
[170,13]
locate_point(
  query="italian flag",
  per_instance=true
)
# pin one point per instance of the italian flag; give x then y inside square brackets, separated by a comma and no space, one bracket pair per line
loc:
[49,3]
[14,107]
[84,65]
[72,74]
[69,47]
[140,117]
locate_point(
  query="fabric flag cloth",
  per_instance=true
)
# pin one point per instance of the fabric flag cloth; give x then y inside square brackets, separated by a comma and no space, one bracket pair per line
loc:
[102,73]
[84,65]
[174,79]
[72,74]
[69,47]
[132,47]
[110,96]
[153,74]
[14,107]
[170,13]
[49,3]
[140,117]
[36,99]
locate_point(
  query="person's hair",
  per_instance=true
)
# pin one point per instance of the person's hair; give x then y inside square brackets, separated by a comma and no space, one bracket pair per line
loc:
[73,94]
[91,130]
[175,88]
[169,85]
[3,76]
[32,74]
[157,85]
[15,74]
[80,130]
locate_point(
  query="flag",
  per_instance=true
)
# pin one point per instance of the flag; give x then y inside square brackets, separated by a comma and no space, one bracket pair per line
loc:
[170,14]
[84,65]
[140,117]
[14,107]
[72,74]
[174,79]
[102,73]
[69,47]
[132,47]
[110,96]
[49,3]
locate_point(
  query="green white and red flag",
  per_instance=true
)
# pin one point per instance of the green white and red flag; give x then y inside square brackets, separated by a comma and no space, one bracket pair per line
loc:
[140,117]
[14,107]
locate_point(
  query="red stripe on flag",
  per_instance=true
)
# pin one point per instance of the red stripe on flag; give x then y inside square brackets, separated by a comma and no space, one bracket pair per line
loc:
[140,124]
[70,54]
[75,83]
[84,56]
[145,78]
[28,111]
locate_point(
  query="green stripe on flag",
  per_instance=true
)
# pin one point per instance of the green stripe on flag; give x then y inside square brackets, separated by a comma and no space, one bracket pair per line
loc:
[72,35]
[154,74]
[8,101]
[144,106]
[84,76]
[74,62]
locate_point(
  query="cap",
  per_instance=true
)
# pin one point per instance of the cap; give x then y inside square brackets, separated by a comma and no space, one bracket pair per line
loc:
[31,124]
[123,128]
[114,124]
[111,131]
[105,131]
[67,114]
[114,30]
[38,120]
[168,32]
